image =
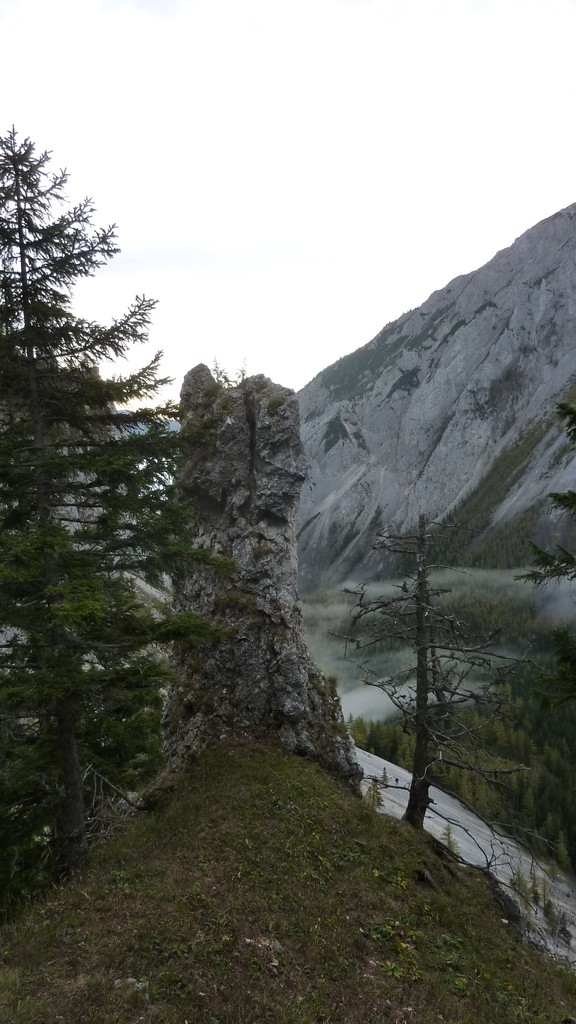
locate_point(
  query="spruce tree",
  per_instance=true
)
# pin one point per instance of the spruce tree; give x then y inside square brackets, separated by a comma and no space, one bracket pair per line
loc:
[87,514]
[560,685]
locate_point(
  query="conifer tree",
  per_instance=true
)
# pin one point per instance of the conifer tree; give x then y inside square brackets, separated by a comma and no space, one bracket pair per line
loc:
[86,512]
[553,567]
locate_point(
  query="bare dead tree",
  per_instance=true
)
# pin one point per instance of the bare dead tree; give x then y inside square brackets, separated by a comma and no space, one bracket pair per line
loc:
[454,668]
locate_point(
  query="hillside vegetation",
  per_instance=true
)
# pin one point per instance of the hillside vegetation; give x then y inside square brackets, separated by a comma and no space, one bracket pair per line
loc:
[261,890]
[539,804]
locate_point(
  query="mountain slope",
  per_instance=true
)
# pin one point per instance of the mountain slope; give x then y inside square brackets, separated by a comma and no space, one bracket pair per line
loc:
[264,891]
[548,917]
[465,385]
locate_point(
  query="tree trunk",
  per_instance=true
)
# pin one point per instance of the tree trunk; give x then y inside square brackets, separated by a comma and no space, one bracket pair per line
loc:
[419,799]
[71,821]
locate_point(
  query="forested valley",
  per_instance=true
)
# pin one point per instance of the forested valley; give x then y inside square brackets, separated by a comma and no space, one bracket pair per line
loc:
[537,805]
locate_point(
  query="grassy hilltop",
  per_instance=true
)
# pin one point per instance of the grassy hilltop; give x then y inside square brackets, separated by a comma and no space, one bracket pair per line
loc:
[261,891]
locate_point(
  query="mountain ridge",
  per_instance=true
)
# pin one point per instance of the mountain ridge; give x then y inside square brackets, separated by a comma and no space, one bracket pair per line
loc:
[415,419]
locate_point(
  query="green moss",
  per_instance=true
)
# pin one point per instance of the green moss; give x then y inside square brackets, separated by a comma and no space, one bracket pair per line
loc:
[235,599]
[203,432]
[275,403]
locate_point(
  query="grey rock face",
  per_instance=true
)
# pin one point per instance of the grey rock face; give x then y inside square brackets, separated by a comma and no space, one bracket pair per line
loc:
[244,474]
[414,421]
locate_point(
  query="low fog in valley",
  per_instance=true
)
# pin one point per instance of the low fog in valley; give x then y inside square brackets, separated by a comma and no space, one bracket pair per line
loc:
[492,594]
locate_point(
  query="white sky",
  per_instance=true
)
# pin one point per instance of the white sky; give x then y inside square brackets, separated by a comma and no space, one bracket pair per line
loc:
[288,176]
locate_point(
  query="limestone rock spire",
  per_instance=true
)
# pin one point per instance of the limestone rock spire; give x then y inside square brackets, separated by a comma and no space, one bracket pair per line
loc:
[244,472]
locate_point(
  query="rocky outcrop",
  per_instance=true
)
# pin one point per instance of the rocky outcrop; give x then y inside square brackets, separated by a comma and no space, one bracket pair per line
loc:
[243,473]
[459,392]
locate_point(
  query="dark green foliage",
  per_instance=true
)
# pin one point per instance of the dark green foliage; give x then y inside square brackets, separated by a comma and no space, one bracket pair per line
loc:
[555,567]
[561,684]
[354,374]
[275,404]
[468,538]
[86,508]
[351,375]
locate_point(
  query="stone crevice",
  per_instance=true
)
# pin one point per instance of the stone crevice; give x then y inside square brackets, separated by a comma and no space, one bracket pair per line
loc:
[250,407]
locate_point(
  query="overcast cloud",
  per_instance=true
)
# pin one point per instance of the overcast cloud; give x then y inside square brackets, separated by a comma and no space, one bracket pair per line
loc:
[289,175]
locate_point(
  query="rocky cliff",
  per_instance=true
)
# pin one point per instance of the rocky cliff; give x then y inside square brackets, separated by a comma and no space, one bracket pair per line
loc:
[243,473]
[455,396]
